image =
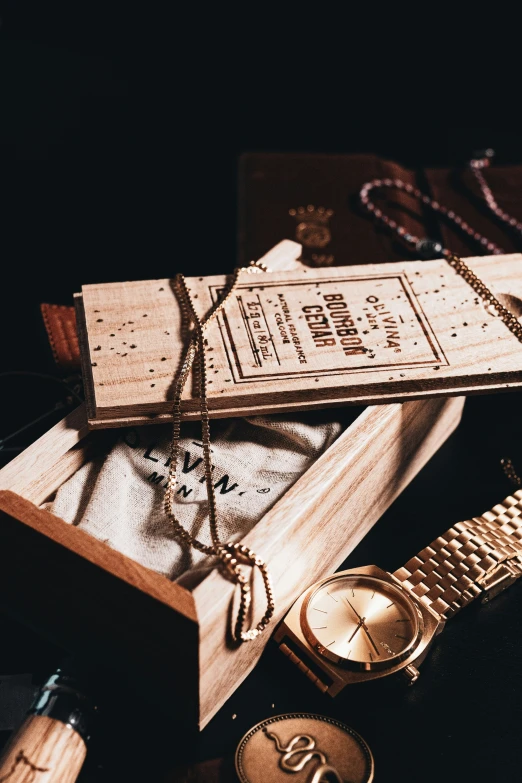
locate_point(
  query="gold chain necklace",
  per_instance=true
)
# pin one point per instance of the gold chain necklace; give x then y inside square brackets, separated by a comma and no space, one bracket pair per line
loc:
[431,249]
[480,288]
[232,556]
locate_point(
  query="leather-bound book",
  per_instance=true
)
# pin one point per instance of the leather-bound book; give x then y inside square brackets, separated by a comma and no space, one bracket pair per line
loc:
[314,199]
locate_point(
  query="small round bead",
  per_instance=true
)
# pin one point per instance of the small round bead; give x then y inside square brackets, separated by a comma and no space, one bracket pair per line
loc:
[429,248]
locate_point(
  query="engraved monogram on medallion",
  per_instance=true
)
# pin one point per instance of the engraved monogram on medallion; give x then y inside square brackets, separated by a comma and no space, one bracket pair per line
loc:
[305,753]
[313,231]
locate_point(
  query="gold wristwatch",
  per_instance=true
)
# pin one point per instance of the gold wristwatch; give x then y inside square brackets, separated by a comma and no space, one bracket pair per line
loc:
[366,623]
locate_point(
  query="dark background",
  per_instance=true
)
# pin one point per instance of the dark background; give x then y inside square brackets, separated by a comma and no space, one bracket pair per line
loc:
[121,129]
[120,134]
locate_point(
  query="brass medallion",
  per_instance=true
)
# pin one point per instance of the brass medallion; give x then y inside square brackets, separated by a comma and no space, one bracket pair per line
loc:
[303,748]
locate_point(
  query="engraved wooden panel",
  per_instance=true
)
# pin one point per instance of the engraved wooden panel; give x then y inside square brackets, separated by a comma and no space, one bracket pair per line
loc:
[305,338]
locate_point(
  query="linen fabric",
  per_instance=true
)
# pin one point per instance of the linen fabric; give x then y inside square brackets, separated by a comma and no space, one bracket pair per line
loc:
[118,497]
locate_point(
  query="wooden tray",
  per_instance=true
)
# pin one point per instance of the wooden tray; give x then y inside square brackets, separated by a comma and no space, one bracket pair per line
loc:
[94,601]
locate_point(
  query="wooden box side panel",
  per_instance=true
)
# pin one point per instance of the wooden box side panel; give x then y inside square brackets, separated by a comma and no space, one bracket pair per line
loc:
[44,466]
[96,615]
[318,522]
[98,553]
[31,478]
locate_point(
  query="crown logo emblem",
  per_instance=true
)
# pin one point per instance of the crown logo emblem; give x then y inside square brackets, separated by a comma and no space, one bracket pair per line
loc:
[312,229]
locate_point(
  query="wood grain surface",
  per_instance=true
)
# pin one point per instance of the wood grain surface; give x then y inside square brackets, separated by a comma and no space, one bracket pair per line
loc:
[50,460]
[44,750]
[304,338]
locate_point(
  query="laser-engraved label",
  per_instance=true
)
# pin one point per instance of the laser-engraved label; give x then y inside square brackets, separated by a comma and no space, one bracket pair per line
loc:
[330,327]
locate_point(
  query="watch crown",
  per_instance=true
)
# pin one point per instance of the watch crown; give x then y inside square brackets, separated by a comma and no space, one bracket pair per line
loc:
[411,673]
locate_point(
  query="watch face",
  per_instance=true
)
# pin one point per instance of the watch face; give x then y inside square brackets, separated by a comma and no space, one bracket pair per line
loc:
[361,622]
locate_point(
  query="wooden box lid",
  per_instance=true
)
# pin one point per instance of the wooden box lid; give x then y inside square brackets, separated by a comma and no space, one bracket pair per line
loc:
[296,340]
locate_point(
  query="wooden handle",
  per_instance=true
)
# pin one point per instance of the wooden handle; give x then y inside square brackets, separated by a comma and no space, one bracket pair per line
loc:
[44,750]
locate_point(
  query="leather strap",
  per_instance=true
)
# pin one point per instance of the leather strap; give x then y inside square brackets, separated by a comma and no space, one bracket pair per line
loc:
[481,556]
[60,324]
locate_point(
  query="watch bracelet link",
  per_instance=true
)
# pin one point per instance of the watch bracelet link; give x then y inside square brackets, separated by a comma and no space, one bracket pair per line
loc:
[481,556]
[294,658]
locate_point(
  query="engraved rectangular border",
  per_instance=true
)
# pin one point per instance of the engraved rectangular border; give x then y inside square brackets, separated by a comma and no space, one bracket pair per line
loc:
[236,368]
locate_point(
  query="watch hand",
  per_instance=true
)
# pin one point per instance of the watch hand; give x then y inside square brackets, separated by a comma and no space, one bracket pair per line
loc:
[354,610]
[368,634]
[358,626]
[365,627]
